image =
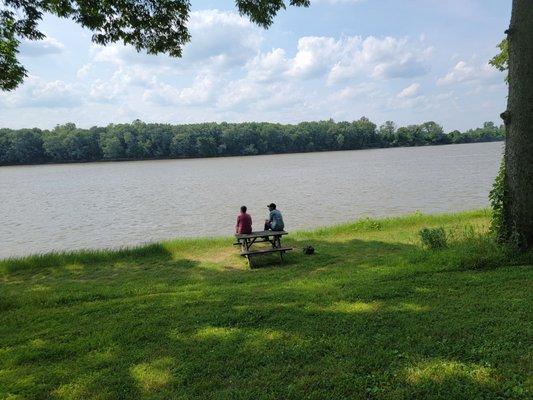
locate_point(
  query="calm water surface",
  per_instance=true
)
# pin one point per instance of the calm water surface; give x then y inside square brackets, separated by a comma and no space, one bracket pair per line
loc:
[72,206]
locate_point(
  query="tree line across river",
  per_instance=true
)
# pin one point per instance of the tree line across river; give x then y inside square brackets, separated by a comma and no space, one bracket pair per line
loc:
[139,140]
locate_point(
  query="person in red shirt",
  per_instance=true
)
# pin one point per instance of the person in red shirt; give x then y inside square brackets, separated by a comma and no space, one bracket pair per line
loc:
[244,222]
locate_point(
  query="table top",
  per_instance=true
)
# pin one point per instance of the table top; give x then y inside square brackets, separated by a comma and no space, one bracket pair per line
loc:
[260,234]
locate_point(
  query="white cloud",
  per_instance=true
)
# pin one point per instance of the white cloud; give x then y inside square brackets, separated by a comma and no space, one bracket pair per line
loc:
[200,92]
[463,72]
[381,58]
[36,92]
[221,43]
[314,56]
[233,70]
[413,103]
[39,48]
[240,92]
[102,91]
[123,84]
[343,59]
[410,99]
[409,91]
[229,74]
[161,95]
[282,98]
[361,91]
[121,55]
[247,94]
[219,40]
[269,66]
[221,37]
[84,70]
[228,70]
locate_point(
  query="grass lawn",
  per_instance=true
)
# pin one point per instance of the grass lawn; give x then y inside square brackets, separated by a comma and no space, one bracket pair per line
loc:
[371,315]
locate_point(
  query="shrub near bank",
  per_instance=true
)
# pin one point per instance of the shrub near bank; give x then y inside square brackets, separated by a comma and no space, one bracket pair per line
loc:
[433,238]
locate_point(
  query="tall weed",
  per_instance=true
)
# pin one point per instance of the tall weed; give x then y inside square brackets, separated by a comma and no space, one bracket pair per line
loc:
[469,247]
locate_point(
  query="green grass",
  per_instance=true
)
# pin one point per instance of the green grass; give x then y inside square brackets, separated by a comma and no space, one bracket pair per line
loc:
[371,315]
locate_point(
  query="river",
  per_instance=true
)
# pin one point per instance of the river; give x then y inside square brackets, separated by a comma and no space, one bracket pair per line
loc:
[103,205]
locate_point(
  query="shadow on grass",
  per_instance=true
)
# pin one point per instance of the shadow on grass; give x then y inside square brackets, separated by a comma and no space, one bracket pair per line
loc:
[343,323]
[332,253]
[84,258]
[229,348]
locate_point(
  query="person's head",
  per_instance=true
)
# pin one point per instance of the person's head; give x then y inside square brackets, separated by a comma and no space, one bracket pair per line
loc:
[243,209]
[271,206]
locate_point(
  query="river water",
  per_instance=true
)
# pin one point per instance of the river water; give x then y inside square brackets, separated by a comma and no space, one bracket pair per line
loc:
[102,205]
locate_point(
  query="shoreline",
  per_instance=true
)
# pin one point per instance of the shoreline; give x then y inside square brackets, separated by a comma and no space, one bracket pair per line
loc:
[123,160]
[365,223]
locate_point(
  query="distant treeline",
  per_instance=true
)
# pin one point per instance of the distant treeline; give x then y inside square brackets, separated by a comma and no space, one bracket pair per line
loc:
[139,140]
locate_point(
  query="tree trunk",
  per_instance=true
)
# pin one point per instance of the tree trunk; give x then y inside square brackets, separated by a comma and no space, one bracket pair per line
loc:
[518,206]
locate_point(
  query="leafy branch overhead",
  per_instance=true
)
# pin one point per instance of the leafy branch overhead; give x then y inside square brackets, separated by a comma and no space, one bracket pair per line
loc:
[155,26]
[501,60]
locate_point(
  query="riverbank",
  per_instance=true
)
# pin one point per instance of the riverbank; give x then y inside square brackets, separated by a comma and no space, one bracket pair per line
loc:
[121,160]
[371,315]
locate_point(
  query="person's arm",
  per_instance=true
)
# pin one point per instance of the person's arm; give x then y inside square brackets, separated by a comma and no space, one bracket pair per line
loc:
[237,225]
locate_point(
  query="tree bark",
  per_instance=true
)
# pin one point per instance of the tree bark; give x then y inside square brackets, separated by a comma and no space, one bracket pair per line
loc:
[518,119]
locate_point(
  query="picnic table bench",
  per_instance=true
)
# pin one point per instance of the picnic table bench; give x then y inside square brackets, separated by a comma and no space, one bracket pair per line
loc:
[273,237]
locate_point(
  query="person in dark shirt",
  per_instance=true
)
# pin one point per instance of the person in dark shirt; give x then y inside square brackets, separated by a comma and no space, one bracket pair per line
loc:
[244,222]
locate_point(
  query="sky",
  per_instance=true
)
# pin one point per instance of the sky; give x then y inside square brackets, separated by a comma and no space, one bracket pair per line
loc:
[408,61]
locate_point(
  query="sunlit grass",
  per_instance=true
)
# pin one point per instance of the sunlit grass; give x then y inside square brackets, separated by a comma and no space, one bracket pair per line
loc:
[370,315]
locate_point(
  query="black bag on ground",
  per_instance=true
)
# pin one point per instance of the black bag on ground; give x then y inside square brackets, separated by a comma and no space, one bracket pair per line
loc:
[309,250]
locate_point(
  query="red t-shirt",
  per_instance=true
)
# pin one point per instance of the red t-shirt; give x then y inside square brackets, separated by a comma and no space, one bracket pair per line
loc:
[244,223]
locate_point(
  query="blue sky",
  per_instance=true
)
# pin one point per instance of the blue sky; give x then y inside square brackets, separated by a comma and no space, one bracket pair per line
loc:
[403,60]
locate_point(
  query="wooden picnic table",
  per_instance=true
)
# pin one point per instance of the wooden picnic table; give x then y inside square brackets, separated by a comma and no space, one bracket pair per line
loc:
[246,241]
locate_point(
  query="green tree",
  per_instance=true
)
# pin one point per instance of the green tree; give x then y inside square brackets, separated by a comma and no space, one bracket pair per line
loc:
[387,132]
[68,143]
[249,150]
[138,140]
[156,26]
[516,55]
[433,133]
[206,146]
[455,136]
[54,147]
[25,147]
[112,143]
[183,144]
[404,136]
